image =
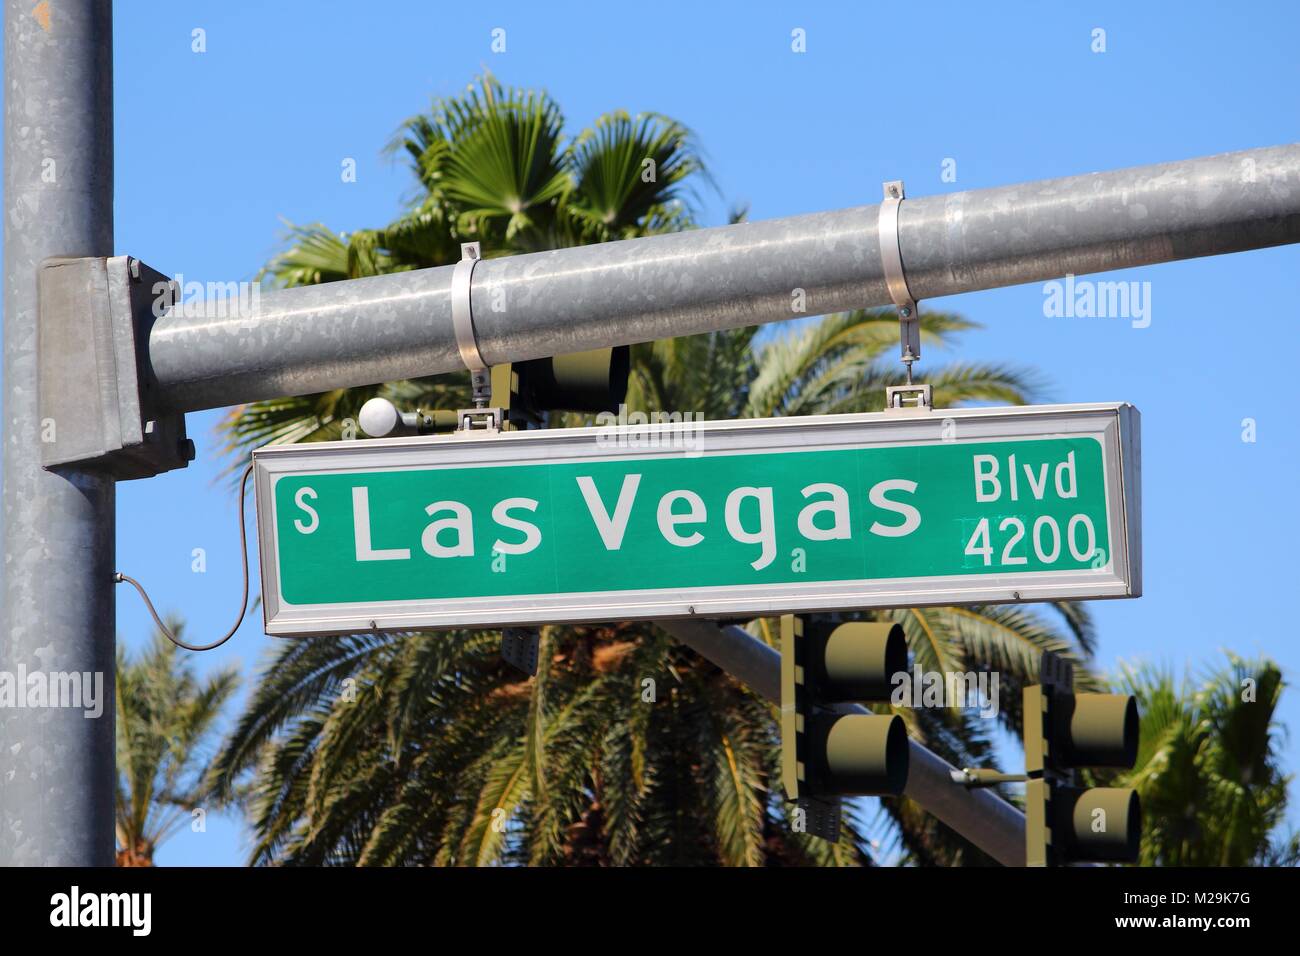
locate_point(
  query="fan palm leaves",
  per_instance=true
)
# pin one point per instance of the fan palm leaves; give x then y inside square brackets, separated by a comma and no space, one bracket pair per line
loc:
[1208,771]
[629,175]
[165,716]
[492,165]
[838,364]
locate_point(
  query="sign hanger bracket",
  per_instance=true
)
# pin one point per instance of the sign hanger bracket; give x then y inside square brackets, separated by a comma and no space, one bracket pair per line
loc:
[481,417]
[909,325]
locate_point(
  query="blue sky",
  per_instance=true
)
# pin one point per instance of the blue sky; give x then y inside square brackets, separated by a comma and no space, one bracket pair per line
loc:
[215,149]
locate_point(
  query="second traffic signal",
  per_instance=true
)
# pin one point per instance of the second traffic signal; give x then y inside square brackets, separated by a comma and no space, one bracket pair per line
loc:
[1065,730]
[827,753]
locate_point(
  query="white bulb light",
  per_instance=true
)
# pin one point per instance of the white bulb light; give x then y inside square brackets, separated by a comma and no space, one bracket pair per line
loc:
[377,417]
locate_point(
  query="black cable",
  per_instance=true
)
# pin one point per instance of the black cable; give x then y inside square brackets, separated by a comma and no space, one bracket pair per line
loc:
[119,577]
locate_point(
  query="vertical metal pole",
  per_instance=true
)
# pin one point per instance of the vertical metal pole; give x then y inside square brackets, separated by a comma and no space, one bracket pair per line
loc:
[56,763]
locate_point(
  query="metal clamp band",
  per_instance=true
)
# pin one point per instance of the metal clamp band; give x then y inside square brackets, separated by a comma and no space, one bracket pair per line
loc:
[891,261]
[462,315]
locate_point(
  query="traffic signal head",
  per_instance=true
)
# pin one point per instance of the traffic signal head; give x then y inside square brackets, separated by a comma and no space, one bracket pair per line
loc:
[1105,824]
[1064,731]
[1097,730]
[855,661]
[594,381]
[828,752]
[1065,824]
[857,754]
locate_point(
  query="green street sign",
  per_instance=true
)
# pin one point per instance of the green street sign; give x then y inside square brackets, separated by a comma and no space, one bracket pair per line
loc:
[626,522]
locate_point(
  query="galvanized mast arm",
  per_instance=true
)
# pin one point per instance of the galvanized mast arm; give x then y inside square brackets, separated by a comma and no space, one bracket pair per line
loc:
[387,328]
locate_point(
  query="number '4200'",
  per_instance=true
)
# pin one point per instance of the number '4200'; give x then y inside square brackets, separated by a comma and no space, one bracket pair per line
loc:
[1046,537]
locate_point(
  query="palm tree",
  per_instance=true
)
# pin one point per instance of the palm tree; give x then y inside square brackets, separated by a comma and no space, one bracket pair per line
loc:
[445,756]
[626,748]
[164,719]
[491,165]
[1208,773]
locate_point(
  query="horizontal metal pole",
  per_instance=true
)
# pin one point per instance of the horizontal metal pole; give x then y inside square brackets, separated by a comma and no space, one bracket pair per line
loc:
[988,821]
[391,327]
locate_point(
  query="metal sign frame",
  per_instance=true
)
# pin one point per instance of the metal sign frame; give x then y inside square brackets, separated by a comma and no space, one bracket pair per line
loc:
[1115,426]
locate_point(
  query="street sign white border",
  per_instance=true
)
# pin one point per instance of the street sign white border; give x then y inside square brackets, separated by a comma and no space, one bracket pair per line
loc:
[1115,426]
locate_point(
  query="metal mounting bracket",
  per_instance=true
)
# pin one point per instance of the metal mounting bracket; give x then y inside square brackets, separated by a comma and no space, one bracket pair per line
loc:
[98,402]
[978,778]
[519,648]
[480,417]
[462,313]
[1055,671]
[908,398]
[891,262]
[821,817]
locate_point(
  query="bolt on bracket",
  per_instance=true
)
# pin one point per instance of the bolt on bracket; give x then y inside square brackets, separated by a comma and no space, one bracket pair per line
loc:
[520,647]
[98,402]
[909,398]
[480,418]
